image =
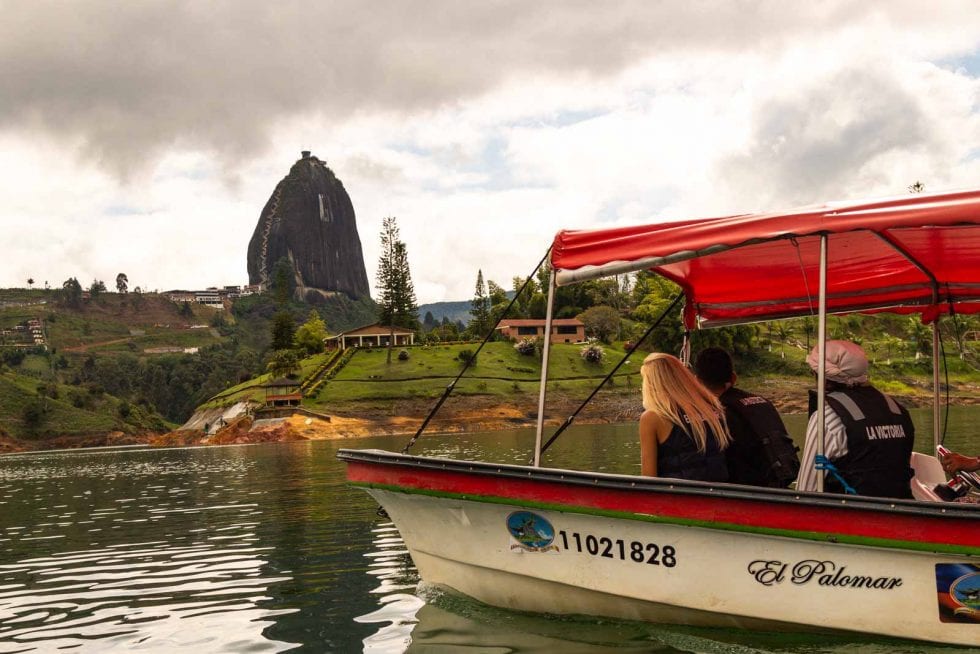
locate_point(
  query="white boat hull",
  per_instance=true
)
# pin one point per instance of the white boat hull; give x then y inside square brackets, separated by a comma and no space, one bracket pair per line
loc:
[666,551]
[466,546]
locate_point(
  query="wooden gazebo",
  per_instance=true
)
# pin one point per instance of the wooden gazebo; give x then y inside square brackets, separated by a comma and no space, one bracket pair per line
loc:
[282,392]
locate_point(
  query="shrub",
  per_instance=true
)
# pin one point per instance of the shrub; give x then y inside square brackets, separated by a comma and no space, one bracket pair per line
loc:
[124,410]
[592,352]
[467,356]
[50,390]
[525,346]
[13,357]
[403,355]
[33,415]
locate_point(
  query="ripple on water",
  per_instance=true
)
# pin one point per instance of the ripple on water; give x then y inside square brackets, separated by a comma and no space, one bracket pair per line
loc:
[196,578]
[101,594]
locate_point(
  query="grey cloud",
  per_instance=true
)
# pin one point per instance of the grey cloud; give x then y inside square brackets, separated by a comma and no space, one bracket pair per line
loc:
[364,166]
[810,147]
[128,80]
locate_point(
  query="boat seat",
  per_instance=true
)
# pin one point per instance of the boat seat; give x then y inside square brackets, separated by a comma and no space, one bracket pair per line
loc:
[928,473]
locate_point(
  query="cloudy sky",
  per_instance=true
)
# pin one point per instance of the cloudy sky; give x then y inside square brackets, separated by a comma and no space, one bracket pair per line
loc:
[145,137]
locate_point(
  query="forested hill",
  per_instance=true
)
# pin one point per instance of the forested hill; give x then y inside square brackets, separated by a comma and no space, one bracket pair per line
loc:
[131,362]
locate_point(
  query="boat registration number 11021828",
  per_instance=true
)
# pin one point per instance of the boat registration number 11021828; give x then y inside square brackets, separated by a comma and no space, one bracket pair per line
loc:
[633,550]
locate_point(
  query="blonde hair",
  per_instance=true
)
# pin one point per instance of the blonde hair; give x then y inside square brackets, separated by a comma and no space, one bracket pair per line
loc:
[672,392]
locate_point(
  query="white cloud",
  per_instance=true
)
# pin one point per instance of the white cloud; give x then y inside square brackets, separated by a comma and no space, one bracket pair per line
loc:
[483,128]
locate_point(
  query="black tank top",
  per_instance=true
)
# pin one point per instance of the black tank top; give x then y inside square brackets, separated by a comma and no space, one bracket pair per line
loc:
[678,457]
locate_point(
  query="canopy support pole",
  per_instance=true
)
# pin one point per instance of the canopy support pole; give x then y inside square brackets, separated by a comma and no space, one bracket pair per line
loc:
[568,421]
[935,384]
[544,369]
[472,359]
[822,356]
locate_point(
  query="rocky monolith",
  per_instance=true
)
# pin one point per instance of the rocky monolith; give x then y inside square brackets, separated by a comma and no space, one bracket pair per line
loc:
[310,221]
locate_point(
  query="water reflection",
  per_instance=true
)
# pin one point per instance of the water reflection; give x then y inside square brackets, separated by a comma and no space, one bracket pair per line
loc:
[392,567]
[448,624]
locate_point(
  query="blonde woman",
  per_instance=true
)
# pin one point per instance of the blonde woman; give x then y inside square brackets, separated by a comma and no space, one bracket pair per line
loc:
[682,429]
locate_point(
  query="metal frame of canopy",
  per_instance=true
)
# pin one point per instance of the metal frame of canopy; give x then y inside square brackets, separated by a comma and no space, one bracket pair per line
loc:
[664,248]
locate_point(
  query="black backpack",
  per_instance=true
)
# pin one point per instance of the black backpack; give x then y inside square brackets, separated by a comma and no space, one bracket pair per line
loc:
[777,447]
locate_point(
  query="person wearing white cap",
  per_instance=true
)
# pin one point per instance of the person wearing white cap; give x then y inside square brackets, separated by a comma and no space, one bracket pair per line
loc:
[868,437]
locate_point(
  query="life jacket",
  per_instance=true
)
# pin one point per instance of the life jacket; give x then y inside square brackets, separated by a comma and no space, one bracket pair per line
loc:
[678,457]
[880,436]
[761,452]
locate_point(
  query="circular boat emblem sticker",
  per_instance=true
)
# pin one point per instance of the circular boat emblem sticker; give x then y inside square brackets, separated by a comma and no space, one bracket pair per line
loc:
[966,591]
[530,530]
[958,586]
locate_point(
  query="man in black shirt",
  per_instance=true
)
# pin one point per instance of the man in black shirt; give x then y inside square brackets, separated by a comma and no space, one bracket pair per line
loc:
[761,453]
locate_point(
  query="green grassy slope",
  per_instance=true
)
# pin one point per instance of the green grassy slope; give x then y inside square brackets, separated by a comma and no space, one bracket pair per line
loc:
[499,370]
[60,417]
[111,321]
[251,390]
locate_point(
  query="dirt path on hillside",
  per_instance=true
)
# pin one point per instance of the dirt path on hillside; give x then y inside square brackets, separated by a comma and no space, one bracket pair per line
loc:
[86,346]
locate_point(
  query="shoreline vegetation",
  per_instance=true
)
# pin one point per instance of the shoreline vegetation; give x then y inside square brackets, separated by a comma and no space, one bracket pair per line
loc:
[399,420]
[461,413]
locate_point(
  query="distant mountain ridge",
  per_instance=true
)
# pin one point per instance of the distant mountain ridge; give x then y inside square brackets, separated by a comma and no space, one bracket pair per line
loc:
[457,310]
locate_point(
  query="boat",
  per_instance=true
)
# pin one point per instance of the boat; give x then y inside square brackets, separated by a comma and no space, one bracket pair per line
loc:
[555,541]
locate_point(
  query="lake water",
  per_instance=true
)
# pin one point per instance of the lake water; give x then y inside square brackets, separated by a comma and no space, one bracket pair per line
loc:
[263,548]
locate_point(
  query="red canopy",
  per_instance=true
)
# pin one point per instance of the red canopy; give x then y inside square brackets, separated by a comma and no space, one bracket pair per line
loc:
[917,253]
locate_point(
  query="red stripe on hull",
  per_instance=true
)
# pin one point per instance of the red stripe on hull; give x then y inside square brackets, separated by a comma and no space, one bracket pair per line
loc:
[863,523]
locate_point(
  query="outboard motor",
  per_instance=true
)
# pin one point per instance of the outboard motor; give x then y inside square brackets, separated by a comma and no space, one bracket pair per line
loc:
[961,483]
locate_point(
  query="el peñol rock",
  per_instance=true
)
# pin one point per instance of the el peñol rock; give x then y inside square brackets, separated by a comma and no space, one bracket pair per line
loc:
[310,221]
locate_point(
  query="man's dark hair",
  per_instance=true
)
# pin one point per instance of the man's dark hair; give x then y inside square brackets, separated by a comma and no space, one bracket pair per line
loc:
[714,367]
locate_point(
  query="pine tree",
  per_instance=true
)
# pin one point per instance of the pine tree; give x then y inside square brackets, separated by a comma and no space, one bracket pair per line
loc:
[283,330]
[398,305]
[480,322]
